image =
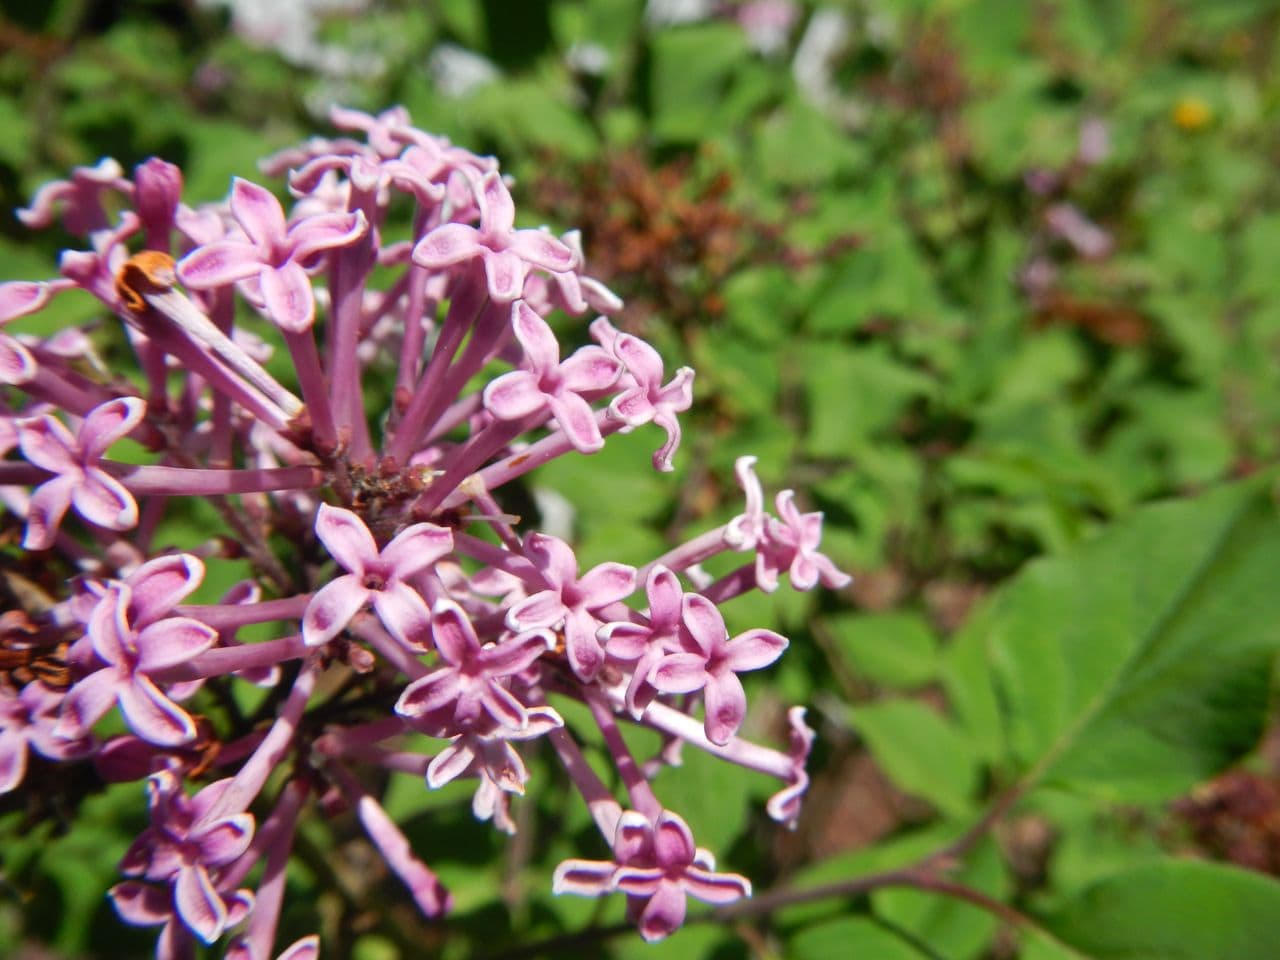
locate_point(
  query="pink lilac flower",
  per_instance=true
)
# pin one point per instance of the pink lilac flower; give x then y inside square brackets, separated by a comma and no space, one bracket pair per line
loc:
[77,479]
[183,848]
[657,865]
[507,253]
[131,654]
[569,601]
[272,252]
[27,722]
[470,684]
[370,467]
[551,385]
[711,663]
[373,575]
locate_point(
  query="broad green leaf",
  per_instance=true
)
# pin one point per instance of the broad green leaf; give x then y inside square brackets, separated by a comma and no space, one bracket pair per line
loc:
[691,73]
[1174,910]
[922,751]
[850,937]
[1138,663]
[897,649]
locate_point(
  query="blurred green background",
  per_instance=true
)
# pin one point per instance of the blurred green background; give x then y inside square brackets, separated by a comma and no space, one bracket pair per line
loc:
[979,278]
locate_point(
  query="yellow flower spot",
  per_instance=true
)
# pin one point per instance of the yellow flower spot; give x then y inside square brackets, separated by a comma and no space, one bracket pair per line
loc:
[1192,114]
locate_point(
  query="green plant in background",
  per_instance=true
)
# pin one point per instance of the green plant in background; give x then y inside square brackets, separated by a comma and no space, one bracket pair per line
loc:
[987,280]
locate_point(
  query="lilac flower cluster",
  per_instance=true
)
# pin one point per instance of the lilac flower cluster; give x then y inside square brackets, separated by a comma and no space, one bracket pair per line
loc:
[379,551]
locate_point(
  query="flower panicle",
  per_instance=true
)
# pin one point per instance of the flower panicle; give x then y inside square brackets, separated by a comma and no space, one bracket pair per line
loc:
[375,541]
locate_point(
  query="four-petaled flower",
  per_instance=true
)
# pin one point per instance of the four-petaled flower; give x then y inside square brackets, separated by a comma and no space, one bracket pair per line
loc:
[548,383]
[570,600]
[373,575]
[711,663]
[657,865]
[77,479]
[507,253]
[646,399]
[455,696]
[643,645]
[795,538]
[27,722]
[133,644]
[273,252]
[181,848]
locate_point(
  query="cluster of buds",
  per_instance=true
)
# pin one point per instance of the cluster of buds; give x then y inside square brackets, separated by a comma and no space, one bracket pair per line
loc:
[395,594]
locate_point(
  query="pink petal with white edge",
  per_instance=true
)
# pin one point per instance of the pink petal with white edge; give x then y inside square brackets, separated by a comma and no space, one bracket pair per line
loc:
[17,366]
[288,297]
[541,249]
[220,264]
[754,650]
[325,231]
[590,369]
[449,764]
[544,609]
[446,245]
[453,633]
[404,613]
[643,362]
[141,904]
[417,547]
[583,878]
[665,597]
[107,423]
[161,584]
[514,395]
[332,608]
[607,583]
[672,840]
[536,338]
[664,913]
[225,840]
[346,538]
[586,656]
[199,905]
[578,421]
[152,715]
[47,443]
[86,703]
[21,297]
[308,948]
[680,673]
[258,211]
[167,643]
[46,508]
[13,759]
[503,707]
[717,888]
[726,707]
[497,209]
[705,624]
[624,640]
[512,656]
[505,273]
[554,558]
[428,694]
[102,499]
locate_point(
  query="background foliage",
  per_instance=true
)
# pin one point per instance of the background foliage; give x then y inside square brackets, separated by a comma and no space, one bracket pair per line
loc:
[993,282]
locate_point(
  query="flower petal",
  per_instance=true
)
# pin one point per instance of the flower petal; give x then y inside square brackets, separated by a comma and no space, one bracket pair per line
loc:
[428,694]
[417,547]
[446,245]
[449,764]
[17,366]
[536,338]
[726,707]
[45,509]
[583,878]
[174,640]
[505,273]
[664,913]
[404,613]
[287,295]
[754,650]
[346,538]
[514,395]
[679,673]
[541,249]
[258,211]
[198,904]
[331,609]
[161,584]
[453,633]
[152,715]
[220,264]
[107,423]
[715,888]
[13,759]
[704,623]
[86,703]
[324,231]
[46,442]
[544,609]
[588,369]
[512,656]
[577,420]
[103,500]
[605,584]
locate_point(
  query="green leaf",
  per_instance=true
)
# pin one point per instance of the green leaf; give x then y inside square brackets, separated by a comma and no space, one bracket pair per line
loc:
[1175,910]
[850,937]
[897,650]
[691,73]
[1138,663]
[922,751]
